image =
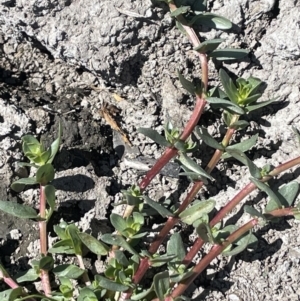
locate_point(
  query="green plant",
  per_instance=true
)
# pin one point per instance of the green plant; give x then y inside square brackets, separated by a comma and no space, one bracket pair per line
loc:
[129,259]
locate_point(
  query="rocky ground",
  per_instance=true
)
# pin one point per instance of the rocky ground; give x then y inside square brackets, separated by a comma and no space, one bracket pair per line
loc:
[65,60]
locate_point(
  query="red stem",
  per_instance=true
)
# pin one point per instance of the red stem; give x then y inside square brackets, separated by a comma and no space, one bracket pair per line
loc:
[234,202]
[217,249]
[172,152]
[214,252]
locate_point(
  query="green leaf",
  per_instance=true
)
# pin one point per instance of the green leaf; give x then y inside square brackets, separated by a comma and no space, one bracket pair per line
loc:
[68,271]
[251,99]
[66,287]
[121,258]
[143,294]
[226,105]
[193,166]
[161,284]
[240,156]
[93,244]
[289,192]
[164,212]
[259,105]
[118,240]
[64,246]
[161,260]
[181,28]
[194,212]
[229,86]
[212,21]
[138,218]
[225,54]
[239,125]
[60,230]
[19,185]
[253,212]
[203,229]
[11,294]
[286,194]
[208,45]
[111,285]
[18,210]
[29,275]
[186,84]
[46,263]
[73,232]
[179,11]
[86,294]
[118,222]
[192,176]
[155,136]
[175,247]
[241,147]
[240,248]
[265,188]
[55,145]
[45,174]
[50,197]
[255,84]
[30,145]
[208,139]
[25,164]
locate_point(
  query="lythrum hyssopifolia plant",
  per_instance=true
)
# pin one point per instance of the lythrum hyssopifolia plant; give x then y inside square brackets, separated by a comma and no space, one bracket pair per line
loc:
[130,256]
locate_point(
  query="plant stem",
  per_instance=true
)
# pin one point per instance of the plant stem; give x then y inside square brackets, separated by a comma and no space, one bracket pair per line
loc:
[11,283]
[214,252]
[217,249]
[6,278]
[172,152]
[191,195]
[234,202]
[44,241]
[84,276]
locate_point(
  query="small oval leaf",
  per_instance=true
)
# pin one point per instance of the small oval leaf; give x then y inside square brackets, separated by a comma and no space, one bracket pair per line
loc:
[196,211]
[240,156]
[155,136]
[18,210]
[259,105]
[208,139]
[208,45]
[226,105]
[193,166]
[68,270]
[164,212]
[242,146]
[93,244]
[186,84]
[212,21]
[228,54]
[45,174]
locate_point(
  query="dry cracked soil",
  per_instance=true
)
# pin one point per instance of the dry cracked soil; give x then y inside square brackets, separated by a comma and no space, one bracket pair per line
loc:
[67,59]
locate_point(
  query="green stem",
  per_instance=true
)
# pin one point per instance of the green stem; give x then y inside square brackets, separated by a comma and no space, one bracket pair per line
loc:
[44,241]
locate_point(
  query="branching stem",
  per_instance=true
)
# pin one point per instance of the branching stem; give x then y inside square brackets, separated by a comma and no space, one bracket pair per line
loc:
[234,202]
